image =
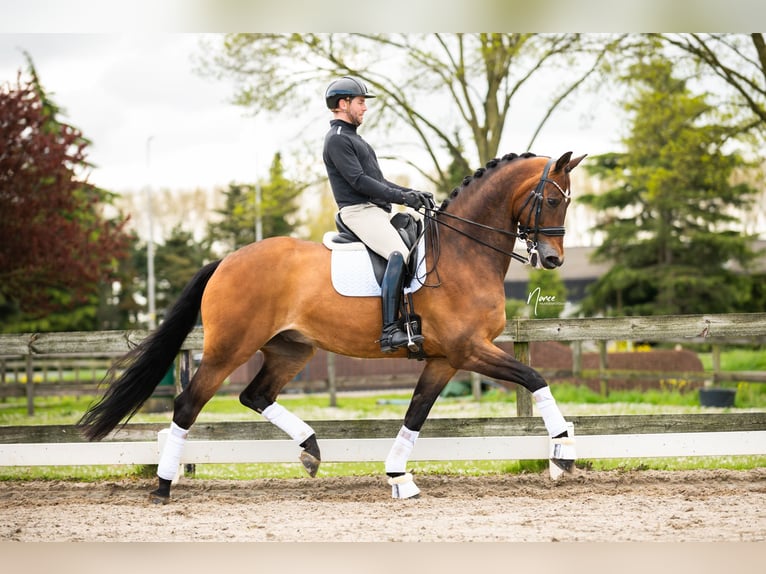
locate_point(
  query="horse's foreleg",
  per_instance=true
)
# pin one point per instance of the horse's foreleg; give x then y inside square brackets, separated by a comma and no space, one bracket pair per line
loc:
[283,359]
[433,379]
[493,362]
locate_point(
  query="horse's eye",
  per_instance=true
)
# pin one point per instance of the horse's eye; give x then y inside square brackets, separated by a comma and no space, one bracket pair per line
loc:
[553,201]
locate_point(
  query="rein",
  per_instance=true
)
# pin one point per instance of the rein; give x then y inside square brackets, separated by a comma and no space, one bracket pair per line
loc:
[535,203]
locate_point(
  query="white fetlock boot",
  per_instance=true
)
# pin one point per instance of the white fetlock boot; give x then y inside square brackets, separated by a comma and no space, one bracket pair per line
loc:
[562,454]
[403,486]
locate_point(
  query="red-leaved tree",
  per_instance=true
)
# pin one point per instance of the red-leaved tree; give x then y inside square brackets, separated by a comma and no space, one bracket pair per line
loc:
[56,245]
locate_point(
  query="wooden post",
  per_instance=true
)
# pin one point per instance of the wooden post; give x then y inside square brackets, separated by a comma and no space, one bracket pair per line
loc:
[576,359]
[183,378]
[476,386]
[30,387]
[184,370]
[602,366]
[716,352]
[332,386]
[523,396]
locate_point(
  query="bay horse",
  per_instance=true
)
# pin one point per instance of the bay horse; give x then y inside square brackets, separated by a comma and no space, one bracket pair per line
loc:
[276,296]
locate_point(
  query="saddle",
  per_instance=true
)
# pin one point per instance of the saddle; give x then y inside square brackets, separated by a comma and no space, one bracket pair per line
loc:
[409,229]
[358,271]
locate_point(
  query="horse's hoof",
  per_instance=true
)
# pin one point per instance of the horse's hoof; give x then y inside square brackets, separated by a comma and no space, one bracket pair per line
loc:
[310,463]
[562,454]
[156,497]
[404,487]
[558,466]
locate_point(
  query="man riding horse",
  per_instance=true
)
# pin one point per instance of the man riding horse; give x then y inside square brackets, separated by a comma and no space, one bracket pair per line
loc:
[364,198]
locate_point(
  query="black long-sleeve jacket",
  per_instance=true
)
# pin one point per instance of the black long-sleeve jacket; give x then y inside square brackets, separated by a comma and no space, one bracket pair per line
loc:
[353,170]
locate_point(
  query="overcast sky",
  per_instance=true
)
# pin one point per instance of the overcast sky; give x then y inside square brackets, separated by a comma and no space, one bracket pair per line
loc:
[123,73]
[153,120]
[136,93]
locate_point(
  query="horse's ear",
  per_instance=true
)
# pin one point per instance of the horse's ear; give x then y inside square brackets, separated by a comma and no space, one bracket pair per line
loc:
[567,164]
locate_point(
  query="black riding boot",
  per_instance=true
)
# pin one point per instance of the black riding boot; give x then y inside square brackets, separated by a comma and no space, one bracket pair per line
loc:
[392,337]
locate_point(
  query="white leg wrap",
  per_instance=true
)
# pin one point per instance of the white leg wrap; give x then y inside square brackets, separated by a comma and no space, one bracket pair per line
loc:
[549,410]
[298,430]
[171,453]
[403,486]
[396,461]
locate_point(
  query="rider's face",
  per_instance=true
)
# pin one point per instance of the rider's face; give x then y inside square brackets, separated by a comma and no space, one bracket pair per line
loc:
[355,110]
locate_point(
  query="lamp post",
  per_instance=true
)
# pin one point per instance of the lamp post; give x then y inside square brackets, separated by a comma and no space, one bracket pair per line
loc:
[258,217]
[150,241]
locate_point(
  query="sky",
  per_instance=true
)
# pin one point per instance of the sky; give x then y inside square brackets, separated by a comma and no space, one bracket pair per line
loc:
[123,73]
[153,120]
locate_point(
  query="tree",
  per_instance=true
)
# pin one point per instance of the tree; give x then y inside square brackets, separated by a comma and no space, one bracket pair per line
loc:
[118,307]
[56,245]
[739,60]
[175,263]
[448,89]
[669,221]
[322,216]
[278,209]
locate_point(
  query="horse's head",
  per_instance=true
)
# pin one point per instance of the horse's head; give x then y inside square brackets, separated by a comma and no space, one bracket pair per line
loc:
[540,207]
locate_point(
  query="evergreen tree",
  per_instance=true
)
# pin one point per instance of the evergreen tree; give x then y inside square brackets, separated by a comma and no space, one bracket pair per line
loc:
[119,306]
[278,210]
[669,220]
[175,263]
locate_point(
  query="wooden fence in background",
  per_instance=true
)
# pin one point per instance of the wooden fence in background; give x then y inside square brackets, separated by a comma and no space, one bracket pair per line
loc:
[34,350]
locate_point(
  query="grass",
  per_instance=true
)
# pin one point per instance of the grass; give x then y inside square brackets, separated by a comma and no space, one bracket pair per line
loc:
[573,400]
[737,359]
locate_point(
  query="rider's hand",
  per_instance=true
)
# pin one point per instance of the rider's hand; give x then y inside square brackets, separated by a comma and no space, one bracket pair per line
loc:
[417,199]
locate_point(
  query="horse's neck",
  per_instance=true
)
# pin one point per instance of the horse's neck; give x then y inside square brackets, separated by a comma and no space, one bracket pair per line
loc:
[471,245]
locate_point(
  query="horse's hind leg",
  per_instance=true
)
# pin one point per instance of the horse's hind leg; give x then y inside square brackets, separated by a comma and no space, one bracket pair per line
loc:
[284,357]
[432,381]
[187,406]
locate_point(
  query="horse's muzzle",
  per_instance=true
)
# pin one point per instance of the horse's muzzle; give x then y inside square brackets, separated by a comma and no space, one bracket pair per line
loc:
[552,261]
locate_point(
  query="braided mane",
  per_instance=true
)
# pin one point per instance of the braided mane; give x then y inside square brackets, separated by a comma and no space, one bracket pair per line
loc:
[491,164]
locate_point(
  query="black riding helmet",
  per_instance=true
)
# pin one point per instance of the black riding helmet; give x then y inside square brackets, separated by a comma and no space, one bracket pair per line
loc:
[345,87]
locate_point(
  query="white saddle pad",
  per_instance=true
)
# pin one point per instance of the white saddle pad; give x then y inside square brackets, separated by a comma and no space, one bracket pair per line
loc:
[352,273]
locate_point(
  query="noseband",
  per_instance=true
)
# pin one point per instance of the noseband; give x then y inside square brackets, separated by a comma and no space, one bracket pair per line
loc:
[528,232]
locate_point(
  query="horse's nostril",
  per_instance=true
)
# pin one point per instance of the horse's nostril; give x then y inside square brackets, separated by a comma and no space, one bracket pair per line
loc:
[553,261]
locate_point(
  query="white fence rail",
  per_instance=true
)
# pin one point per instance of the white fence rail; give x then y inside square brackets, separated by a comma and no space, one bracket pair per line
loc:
[375,450]
[517,438]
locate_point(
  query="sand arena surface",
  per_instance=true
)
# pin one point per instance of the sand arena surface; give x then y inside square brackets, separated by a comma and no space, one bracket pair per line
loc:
[592,506]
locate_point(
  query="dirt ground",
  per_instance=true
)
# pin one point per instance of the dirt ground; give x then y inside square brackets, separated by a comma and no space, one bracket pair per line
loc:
[701,506]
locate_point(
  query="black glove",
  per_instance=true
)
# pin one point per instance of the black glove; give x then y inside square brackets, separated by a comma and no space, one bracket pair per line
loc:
[417,199]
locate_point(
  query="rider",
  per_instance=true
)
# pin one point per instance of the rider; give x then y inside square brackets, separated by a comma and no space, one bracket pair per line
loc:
[364,197]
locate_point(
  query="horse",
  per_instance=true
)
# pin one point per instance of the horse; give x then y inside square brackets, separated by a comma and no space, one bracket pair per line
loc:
[275,296]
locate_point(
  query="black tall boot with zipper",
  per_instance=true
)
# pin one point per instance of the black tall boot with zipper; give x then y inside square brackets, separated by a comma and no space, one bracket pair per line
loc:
[393,337]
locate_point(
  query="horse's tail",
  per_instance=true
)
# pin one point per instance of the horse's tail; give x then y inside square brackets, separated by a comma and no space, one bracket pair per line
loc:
[147,363]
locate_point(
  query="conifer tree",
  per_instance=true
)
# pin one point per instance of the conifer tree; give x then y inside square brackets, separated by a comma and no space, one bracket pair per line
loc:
[669,216]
